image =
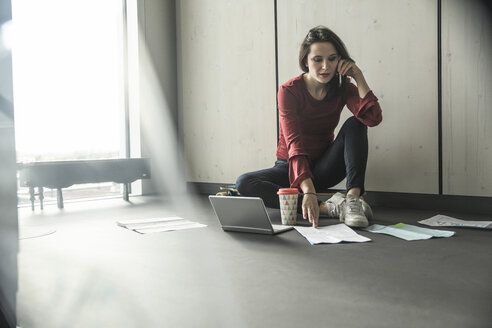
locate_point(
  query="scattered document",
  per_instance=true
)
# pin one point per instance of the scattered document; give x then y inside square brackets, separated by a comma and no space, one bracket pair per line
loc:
[409,232]
[159,224]
[447,221]
[34,232]
[330,234]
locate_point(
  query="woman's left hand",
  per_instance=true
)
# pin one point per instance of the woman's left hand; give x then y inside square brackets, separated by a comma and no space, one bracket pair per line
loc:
[348,67]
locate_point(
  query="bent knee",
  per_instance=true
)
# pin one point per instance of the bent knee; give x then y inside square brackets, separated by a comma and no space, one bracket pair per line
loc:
[243,183]
[353,124]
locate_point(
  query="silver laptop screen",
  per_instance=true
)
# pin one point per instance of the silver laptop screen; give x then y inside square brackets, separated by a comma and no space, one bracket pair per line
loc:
[247,212]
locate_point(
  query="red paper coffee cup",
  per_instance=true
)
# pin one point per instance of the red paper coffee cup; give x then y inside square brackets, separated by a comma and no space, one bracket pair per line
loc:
[287,191]
[288,205]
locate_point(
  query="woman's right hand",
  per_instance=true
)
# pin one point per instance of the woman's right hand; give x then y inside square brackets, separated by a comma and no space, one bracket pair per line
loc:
[310,209]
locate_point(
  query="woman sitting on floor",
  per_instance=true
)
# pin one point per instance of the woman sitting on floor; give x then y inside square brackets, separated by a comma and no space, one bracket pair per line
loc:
[308,156]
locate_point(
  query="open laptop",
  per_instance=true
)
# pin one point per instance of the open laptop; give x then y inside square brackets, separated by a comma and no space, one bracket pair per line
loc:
[244,214]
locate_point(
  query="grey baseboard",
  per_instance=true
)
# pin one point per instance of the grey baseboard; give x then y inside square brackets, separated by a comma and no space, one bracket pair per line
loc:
[205,188]
[442,203]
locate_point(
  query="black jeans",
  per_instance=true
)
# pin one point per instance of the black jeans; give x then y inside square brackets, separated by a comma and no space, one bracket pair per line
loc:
[345,158]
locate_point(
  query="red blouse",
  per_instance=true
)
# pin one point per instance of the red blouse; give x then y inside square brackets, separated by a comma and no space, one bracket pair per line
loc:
[307,125]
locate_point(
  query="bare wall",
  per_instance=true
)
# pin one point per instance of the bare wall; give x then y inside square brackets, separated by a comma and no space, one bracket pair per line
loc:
[227,76]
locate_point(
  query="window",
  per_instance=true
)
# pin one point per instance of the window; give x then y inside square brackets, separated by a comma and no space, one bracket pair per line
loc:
[69,85]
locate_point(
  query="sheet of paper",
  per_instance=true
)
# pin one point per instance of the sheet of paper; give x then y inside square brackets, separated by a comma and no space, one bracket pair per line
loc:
[170,227]
[34,232]
[408,232]
[314,236]
[430,232]
[330,234]
[343,232]
[149,223]
[152,225]
[447,221]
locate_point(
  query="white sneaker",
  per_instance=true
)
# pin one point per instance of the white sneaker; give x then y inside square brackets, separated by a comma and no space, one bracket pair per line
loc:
[352,214]
[335,202]
[366,208]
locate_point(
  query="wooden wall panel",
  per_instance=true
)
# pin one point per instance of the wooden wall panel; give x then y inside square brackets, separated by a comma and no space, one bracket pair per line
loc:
[227,95]
[467,98]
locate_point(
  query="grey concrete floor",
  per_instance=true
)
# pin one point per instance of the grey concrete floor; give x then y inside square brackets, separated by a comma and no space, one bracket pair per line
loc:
[91,273]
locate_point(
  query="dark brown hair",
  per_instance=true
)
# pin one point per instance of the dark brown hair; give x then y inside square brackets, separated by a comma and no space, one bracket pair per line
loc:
[323,34]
